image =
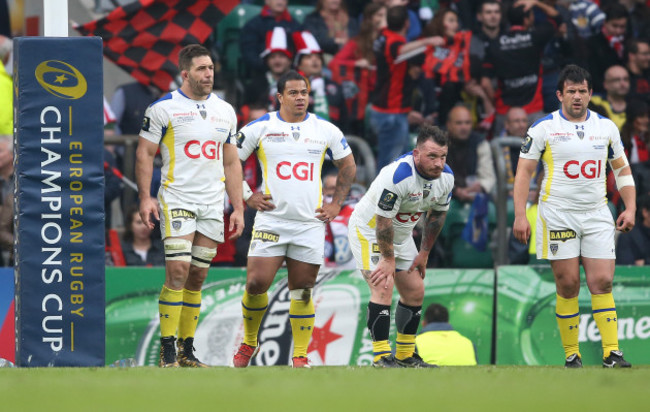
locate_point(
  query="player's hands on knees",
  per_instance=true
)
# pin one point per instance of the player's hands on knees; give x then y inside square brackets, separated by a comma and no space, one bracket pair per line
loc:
[236,224]
[521,229]
[260,202]
[328,212]
[625,221]
[384,273]
[420,263]
[149,208]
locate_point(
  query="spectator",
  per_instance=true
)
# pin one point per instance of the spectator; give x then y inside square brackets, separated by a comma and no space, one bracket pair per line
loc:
[331,25]
[639,16]
[438,343]
[469,157]
[519,84]
[586,17]
[605,48]
[253,34]
[414,28]
[129,103]
[391,109]
[451,65]
[489,19]
[139,247]
[516,125]
[6,199]
[638,65]
[617,87]
[634,133]
[277,57]
[633,248]
[358,50]
[6,88]
[325,96]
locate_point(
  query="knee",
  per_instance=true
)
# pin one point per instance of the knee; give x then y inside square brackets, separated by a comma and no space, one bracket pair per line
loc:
[255,287]
[601,286]
[414,297]
[567,286]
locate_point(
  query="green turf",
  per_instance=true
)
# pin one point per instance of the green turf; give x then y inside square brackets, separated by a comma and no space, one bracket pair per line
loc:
[483,388]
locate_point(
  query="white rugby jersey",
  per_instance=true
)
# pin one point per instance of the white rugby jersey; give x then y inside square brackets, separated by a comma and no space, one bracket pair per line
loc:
[575,158]
[400,193]
[291,156]
[191,134]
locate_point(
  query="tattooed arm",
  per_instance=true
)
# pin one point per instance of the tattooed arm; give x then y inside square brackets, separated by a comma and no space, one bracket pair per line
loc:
[385,269]
[432,227]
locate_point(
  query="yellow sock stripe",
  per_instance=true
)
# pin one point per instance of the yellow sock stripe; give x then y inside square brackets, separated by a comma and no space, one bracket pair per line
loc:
[365,250]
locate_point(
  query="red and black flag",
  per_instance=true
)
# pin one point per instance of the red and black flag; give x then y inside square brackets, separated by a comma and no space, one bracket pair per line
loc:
[144,37]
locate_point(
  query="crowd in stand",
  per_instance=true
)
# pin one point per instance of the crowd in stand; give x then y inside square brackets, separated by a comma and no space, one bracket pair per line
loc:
[379,69]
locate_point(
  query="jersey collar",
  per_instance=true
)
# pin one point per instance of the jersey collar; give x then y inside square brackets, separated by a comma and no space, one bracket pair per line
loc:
[280,117]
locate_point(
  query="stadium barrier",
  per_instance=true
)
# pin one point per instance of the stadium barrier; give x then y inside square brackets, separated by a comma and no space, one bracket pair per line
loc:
[526,332]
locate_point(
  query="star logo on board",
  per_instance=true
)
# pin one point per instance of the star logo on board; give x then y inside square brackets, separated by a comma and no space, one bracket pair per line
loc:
[322,337]
[60,79]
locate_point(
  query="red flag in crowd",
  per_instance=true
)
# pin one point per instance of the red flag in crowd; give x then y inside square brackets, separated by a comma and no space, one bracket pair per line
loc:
[144,37]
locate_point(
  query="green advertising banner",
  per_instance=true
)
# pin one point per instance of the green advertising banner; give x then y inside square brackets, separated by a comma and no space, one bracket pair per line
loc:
[340,297]
[527,332]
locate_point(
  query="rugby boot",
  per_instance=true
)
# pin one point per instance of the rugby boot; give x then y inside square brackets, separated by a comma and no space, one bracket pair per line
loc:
[300,362]
[168,353]
[186,358]
[414,361]
[244,355]
[573,361]
[615,360]
[387,361]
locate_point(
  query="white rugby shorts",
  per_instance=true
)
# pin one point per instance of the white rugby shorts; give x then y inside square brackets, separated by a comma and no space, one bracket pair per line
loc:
[363,242]
[568,234]
[178,218]
[302,241]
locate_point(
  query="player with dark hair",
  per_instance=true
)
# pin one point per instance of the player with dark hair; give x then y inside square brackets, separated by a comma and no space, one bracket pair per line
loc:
[195,132]
[290,223]
[574,224]
[381,237]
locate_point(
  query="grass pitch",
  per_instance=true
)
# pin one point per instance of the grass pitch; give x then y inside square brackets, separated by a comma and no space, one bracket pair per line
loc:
[482,388]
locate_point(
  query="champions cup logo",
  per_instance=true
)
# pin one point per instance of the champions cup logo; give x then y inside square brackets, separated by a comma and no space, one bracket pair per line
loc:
[61,79]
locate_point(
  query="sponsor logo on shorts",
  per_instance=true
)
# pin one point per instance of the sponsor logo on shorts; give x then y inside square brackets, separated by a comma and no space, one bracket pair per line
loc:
[375,248]
[265,236]
[562,235]
[387,200]
[181,213]
[554,247]
[176,224]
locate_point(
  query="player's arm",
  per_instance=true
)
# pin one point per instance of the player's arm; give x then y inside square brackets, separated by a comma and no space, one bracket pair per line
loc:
[385,269]
[434,222]
[627,189]
[144,156]
[347,172]
[247,143]
[233,173]
[525,170]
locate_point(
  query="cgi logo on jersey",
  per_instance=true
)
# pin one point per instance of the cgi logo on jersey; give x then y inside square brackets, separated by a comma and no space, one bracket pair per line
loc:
[210,149]
[589,169]
[301,171]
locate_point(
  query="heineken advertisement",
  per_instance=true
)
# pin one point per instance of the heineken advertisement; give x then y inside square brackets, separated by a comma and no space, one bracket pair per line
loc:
[527,332]
[340,298]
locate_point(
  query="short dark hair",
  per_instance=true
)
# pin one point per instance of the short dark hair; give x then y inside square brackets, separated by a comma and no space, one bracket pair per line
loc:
[290,75]
[632,45]
[396,18]
[188,53]
[480,8]
[574,74]
[428,132]
[615,10]
[435,312]
[516,15]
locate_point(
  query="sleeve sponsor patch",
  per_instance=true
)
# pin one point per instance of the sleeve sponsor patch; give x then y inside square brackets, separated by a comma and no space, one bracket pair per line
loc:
[526,145]
[387,200]
[146,122]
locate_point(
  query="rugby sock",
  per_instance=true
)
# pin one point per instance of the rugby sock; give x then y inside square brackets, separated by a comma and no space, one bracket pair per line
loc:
[407,319]
[302,317]
[169,308]
[189,313]
[567,314]
[253,307]
[604,313]
[379,326]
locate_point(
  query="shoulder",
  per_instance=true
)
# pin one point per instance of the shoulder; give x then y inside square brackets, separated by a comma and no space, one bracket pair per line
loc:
[447,178]
[541,121]
[402,172]
[166,98]
[259,122]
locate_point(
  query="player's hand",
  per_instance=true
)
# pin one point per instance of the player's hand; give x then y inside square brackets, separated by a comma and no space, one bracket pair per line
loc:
[384,272]
[521,229]
[260,202]
[420,263]
[328,212]
[236,224]
[625,221]
[149,207]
